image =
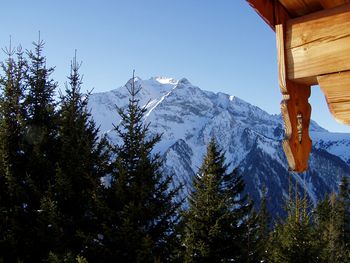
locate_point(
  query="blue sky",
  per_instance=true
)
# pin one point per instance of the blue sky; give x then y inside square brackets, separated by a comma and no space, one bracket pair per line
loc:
[218,45]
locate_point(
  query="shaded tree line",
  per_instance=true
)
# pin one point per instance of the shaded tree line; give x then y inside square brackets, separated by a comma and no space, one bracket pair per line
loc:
[54,206]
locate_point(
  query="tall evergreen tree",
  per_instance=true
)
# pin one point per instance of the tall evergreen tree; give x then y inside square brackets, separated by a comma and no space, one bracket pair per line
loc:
[41,122]
[263,223]
[293,240]
[139,209]
[82,162]
[344,214]
[216,221]
[328,229]
[40,148]
[11,152]
[332,223]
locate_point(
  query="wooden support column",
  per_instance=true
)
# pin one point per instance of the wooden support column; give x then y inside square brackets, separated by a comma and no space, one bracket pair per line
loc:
[295,110]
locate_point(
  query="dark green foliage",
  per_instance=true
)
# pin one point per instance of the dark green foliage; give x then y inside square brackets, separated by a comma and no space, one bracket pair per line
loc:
[327,224]
[40,123]
[82,162]
[40,148]
[332,224]
[293,239]
[216,223]
[139,211]
[68,257]
[53,207]
[11,152]
[344,215]
[263,229]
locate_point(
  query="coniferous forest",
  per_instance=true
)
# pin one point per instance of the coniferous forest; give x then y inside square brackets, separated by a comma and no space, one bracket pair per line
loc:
[69,195]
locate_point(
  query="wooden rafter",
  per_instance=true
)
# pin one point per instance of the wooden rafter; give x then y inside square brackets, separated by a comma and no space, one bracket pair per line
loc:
[318,44]
[336,88]
[271,11]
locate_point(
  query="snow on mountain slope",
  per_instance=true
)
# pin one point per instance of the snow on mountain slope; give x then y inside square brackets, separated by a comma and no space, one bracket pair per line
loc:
[103,105]
[188,117]
[335,143]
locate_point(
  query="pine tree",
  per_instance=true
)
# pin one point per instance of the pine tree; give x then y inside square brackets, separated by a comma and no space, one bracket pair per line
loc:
[251,238]
[139,209]
[293,240]
[82,162]
[41,121]
[344,216]
[332,223]
[328,229]
[216,221]
[263,222]
[40,148]
[11,152]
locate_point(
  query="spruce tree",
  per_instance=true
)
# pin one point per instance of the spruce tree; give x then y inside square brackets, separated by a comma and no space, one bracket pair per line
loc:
[293,239]
[139,209]
[41,122]
[82,162]
[327,227]
[332,223]
[11,152]
[263,223]
[40,149]
[216,221]
[344,216]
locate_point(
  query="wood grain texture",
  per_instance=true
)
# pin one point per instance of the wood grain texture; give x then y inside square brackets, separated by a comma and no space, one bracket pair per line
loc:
[271,11]
[333,3]
[297,143]
[336,88]
[301,7]
[318,44]
[274,12]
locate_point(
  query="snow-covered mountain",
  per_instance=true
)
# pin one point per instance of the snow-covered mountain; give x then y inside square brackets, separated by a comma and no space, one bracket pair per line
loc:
[188,117]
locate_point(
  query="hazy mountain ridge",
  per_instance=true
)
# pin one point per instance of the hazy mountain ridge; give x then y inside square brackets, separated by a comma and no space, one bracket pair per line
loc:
[188,117]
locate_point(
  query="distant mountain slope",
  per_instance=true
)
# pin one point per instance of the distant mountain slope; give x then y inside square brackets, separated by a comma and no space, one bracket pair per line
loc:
[188,117]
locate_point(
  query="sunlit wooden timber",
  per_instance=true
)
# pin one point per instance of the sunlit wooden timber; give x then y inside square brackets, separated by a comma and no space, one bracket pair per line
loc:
[313,47]
[336,87]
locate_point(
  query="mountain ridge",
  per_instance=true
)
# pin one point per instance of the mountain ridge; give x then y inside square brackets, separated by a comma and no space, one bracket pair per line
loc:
[188,117]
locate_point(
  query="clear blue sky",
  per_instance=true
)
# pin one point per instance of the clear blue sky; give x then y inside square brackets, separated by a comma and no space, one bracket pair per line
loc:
[218,45]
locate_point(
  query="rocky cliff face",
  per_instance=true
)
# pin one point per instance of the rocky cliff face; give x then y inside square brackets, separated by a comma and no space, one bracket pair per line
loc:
[188,117]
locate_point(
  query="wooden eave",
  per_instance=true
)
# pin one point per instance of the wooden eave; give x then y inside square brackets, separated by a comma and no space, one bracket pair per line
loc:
[313,47]
[275,12]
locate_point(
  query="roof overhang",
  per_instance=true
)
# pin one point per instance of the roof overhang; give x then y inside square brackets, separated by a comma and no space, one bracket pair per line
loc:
[313,47]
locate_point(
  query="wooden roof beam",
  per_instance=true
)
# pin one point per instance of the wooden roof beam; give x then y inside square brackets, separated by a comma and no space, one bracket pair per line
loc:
[333,3]
[301,7]
[271,11]
[318,44]
[336,88]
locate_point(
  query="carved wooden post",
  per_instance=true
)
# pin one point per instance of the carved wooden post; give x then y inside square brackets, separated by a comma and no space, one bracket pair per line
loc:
[295,110]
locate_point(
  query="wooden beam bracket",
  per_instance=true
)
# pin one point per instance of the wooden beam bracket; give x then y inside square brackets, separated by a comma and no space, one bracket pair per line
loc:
[296,112]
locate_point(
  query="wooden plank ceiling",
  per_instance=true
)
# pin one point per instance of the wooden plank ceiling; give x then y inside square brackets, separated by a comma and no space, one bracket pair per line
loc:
[276,11]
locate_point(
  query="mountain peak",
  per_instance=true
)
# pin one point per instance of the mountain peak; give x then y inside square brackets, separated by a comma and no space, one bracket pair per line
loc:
[163,80]
[184,81]
[188,117]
